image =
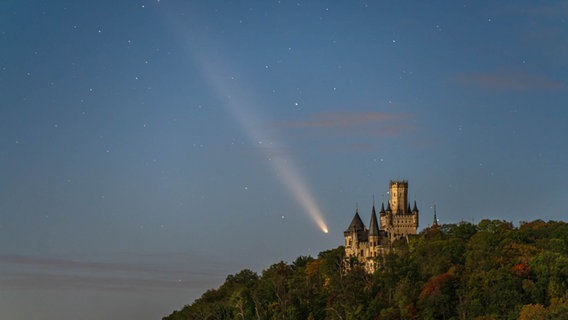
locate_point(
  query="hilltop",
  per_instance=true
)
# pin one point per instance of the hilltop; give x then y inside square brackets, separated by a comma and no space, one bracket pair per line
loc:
[491,270]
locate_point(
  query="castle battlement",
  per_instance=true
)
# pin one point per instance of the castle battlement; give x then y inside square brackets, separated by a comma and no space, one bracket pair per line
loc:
[399,182]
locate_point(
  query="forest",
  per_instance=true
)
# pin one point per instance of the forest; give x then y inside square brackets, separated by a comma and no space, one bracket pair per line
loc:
[489,270]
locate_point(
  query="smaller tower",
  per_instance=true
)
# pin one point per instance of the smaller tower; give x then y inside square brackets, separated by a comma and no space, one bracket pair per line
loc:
[373,229]
[415,215]
[353,235]
[373,242]
[383,217]
[389,215]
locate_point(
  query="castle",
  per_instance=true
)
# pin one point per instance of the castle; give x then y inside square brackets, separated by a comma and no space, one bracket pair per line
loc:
[397,221]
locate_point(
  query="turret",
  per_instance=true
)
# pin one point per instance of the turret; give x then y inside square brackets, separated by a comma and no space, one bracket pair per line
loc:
[373,240]
[373,225]
[386,217]
[352,232]
[415,214]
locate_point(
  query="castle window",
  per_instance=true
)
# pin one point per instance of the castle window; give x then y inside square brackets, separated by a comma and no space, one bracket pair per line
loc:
[362,252]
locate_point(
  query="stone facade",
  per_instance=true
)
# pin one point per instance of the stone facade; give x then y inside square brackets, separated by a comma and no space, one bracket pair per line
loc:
[397,221]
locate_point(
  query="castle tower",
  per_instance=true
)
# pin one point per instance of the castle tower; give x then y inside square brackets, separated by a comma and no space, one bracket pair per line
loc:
[415,215]
[373,229]
[354,235]
[399,219]
[373,226]
[399,196]
[374,241]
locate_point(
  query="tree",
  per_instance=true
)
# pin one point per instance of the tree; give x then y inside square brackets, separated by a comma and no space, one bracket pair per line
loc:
[435,300]
[488,271]
[275,289]
[532,312]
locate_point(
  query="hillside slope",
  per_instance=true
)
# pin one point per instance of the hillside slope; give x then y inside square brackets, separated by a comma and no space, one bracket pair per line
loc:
[491,270]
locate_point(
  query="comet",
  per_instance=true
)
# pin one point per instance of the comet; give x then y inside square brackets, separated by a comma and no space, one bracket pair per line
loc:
[244,108]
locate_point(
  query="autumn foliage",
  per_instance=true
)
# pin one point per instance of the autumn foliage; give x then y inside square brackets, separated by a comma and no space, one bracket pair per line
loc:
[491,270]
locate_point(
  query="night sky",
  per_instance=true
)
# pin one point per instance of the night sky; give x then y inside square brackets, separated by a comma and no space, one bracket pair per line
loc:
[150,148]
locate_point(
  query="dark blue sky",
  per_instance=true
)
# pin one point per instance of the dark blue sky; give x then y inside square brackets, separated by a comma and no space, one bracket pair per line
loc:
[149,148]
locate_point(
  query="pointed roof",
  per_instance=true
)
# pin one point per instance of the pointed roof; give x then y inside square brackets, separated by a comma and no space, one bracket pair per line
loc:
[373,226]
[356,224]
[382,208]
[388,206]
[408,210]
[415,207]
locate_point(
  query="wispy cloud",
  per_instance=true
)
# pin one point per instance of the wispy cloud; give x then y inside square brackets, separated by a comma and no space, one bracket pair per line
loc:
[20,271]
[78,265]
[345,120]
[46,262]
[350,131]
[51,281]
[512,81]
[553,9]
[550,10]
[546,32]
